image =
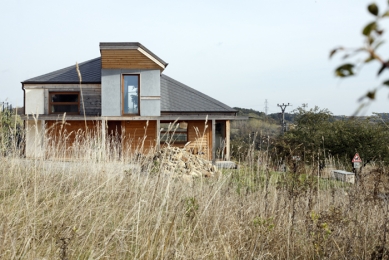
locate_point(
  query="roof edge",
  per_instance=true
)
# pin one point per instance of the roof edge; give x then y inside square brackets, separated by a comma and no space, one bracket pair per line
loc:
[60,82]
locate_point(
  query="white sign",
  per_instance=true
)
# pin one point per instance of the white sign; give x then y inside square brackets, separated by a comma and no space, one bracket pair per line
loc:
[357,165]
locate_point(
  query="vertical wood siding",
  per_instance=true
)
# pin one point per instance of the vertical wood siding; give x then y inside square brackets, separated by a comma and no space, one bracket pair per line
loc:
[68,131]
[138,136]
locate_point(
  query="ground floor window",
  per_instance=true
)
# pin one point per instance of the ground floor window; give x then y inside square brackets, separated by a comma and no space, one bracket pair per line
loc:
[64,102]
[174,132]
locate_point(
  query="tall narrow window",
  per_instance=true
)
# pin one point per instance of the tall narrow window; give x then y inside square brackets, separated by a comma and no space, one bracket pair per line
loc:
[65,102]
[131,94]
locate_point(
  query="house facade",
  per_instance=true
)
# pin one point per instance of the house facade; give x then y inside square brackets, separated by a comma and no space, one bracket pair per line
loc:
[125,93]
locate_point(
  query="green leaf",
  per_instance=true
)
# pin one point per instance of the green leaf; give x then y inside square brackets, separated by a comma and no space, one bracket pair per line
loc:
[386,14]
[369,28]
[345,70]
[386,83]
[379,32]
[384,66]
[334,51]
[373,9]
[370,94]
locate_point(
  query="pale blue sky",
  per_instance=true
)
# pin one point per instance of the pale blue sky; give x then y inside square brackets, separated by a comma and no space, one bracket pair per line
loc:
[239,52]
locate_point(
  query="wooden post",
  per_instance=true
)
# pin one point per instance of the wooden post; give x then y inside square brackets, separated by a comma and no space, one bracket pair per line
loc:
[103,136]
[158,129]
[43,138]
[46,102]
[228,129]
[213,140]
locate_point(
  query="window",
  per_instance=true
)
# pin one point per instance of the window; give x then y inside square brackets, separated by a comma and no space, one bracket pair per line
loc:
[64,102]
[130,94]
[174,132]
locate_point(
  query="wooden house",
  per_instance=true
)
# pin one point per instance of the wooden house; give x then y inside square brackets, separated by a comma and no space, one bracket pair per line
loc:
[125,92]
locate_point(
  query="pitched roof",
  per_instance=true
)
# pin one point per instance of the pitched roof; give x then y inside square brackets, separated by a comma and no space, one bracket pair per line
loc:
[175,96]
[178,97]
[90,72]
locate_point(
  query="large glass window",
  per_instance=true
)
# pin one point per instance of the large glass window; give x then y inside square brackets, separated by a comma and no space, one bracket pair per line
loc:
[174,132]
[65,102]
[131,94]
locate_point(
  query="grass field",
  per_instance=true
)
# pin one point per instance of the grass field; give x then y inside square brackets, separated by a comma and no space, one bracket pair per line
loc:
[126,209]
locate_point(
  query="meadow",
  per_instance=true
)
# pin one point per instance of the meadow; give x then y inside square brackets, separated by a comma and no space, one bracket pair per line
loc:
[102,205]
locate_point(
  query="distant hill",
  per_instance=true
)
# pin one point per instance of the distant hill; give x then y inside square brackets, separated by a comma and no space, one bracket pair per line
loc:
[274,118]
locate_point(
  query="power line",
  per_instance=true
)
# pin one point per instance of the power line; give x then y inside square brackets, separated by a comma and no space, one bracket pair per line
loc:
[283,124]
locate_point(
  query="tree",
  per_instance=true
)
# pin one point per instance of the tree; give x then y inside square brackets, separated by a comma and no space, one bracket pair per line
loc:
[317,132]
[311,125]
[374,38]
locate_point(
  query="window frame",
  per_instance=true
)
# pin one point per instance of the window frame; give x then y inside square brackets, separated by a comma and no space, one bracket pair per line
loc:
[51,93]
[122,93]
[163,132]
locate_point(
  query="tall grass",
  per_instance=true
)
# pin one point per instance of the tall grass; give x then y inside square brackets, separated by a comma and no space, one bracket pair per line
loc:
[118,206]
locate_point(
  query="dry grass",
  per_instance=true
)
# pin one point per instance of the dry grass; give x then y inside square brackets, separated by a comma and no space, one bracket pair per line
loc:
[124,209]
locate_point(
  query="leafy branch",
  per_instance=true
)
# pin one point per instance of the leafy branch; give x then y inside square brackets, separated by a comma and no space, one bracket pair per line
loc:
[373,34]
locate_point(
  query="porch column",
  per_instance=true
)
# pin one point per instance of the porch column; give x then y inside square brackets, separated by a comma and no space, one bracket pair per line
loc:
[103,136]
[43,140]
[228,129]
[213,140]
[158,135]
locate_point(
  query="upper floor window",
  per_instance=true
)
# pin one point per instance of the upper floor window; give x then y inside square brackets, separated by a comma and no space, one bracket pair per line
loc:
[130,94]
[64,102]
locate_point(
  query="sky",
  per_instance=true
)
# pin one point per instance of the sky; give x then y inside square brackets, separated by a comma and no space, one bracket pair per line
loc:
[238,52]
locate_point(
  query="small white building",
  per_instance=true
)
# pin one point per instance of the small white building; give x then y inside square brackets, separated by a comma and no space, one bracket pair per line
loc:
[343,176]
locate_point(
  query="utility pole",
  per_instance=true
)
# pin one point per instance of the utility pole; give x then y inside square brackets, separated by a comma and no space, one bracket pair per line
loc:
[266,107]
[283,107]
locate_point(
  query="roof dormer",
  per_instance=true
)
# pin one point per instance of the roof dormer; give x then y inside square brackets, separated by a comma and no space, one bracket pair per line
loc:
[129,55]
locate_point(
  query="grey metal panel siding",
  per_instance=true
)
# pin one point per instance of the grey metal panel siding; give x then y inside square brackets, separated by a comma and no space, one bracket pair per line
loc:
[150,82]
[110,92]
[150,107]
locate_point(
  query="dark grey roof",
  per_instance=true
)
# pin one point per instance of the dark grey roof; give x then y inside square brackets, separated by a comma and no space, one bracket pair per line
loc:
[177,97]
[90,73]
[128,45]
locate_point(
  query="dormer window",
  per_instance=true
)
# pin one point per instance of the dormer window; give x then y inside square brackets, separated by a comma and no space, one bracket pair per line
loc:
[130,94]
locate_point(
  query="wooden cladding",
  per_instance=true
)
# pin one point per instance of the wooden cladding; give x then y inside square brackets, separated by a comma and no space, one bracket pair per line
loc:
[135,136]
[127,59]
[139,136]
[69,132]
